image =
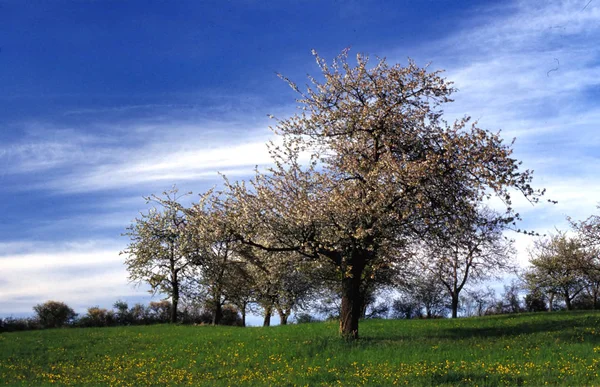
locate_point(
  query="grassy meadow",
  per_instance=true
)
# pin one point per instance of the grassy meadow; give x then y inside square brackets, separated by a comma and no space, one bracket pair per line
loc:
[534,349]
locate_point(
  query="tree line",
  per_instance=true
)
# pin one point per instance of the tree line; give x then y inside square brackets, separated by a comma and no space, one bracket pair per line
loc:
[563,273]
[56,314]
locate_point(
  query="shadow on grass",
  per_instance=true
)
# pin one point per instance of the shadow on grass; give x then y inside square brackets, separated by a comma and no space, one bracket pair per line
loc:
[539,325]
[568,325]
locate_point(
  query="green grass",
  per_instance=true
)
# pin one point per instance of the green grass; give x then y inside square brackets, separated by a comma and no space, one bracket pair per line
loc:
[534,349]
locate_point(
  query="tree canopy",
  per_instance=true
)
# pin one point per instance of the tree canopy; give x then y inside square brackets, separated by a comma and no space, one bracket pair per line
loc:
[367,166]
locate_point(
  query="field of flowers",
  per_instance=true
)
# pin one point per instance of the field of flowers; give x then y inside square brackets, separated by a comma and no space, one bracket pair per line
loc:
[534,349]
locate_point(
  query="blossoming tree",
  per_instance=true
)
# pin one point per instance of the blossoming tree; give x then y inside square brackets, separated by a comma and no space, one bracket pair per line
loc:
[366,166]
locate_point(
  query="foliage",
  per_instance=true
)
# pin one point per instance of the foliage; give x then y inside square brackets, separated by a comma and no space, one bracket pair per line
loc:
[54,314]
[229,316]
[521,349]
[588,231]
[305,318]
[535,302]
[510,300]
[98,317]
[557,267]
[405,307]
[122,314]
[216,263]
[160,310]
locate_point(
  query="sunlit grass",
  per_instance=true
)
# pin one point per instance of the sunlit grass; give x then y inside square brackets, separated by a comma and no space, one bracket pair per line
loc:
[534,349]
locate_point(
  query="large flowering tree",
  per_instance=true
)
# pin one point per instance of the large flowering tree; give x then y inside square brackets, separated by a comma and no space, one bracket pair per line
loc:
[366,166]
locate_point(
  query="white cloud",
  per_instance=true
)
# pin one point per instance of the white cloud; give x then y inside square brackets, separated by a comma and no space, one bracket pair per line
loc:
[82,274]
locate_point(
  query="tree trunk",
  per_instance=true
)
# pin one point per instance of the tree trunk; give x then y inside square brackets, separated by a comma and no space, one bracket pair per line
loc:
[268,312]
[351,303]
[283,317]
[174,300]
[218,312]
[551,302]
[244,316]
[454,306]
[568,301]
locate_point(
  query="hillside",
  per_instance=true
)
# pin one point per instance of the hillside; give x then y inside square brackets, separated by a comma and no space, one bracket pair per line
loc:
[535,349]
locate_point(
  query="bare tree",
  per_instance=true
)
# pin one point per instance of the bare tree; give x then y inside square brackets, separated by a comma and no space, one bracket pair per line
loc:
[472,250]
[478,301]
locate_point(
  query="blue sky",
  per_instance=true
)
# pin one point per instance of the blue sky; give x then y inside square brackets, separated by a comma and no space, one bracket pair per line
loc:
[103,102]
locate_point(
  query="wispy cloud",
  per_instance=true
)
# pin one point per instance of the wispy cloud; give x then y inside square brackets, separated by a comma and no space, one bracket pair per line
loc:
[133,154]
[148,165]
[532,70]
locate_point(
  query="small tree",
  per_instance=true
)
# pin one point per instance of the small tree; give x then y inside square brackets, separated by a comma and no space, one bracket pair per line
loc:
[590,272]
[556,268]
[139,314]
[54,314]
[215,262]
[241,287]
[161,249]
[425,292]
[406,307]
[511,301]
[160,310]
[305,318]
[98,317]
[122,315]
[588,232]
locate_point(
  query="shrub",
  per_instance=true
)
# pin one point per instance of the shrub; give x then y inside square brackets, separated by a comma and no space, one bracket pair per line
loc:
[192,314]
[583,301]
[54,314]
[535,302]
[160,311]
[304,318]
[140,314]
[122,315]
[11,324]
[231,316]
[405,308]
[98,317]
